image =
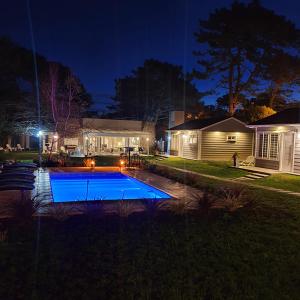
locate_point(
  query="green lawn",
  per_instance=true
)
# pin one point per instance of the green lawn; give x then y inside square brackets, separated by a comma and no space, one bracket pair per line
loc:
[252,254]
[107,160]
[24,155]
[216,168]
[281,181]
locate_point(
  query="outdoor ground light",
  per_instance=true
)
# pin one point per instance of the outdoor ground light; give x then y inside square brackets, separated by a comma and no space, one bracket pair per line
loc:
[92,164]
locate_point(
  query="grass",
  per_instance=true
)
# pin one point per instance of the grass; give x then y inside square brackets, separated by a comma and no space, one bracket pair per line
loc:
[281,181]
[19,156]
[216,168]
[107,160]
[253,254]
[250,254]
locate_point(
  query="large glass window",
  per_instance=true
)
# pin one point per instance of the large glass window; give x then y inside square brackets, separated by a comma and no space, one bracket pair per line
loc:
[268,146]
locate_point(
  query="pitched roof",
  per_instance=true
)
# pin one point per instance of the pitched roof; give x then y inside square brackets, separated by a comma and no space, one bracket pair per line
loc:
[287,116]
[198,124]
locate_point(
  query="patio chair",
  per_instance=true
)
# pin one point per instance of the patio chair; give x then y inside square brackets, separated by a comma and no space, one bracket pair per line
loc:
[9,148]
[19,147]
[23,165]
[16,175]
[16,185]
[9,169]
[249,161]
[4,180]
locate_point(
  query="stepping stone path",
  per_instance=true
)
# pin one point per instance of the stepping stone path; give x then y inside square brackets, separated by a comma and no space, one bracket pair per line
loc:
[253,175]
[43,188]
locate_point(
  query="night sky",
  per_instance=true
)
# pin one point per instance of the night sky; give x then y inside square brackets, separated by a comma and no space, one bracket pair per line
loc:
[103,40]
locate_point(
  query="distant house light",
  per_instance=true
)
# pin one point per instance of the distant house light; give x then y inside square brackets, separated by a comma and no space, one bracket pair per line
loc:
[231,138]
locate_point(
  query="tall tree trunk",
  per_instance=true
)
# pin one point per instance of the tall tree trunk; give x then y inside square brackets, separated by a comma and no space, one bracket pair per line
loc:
[230,88]
[274,93]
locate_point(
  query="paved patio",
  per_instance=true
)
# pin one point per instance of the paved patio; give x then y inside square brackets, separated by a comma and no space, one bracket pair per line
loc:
[173,188]
[259,170]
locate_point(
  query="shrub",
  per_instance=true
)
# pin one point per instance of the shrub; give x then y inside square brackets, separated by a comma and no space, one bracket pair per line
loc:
[179,206]
[151,206]
[125,208]
[233,198]
[3,233]
[93,210]
[24,208]
[60,211]
[206,202]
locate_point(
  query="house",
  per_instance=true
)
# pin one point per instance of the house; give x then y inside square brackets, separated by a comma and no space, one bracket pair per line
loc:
[94,136]
[278,141]
[210,139]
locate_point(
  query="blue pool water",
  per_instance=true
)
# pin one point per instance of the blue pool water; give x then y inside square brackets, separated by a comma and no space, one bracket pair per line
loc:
[67,187]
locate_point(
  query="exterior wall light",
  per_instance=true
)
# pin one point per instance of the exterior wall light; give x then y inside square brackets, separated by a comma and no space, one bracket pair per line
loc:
[93,164]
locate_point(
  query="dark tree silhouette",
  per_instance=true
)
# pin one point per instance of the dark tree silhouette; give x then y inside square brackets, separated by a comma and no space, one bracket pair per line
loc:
[154,89]
[238,45]
[18,110]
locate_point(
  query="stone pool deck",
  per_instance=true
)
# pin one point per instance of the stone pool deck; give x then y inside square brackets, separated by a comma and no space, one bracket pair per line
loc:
[173,188]
[43,189]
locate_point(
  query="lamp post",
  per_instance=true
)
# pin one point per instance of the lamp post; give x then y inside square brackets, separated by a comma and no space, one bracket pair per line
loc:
[147,139]
[40,134]
[55,137]
[87,146]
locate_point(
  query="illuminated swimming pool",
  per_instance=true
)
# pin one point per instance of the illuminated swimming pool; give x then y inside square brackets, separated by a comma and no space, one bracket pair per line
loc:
[69,187]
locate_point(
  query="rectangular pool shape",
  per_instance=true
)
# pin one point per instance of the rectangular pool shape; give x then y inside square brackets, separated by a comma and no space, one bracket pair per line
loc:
[71,187]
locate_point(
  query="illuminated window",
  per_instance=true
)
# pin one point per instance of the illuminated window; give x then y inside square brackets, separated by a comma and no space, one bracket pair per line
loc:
[193,139]
[274,146]
[231,138]
[268,146]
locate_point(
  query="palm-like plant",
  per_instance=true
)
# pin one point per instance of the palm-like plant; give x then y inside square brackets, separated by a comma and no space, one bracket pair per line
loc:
[151,206]
[24,208]
[93,210]
[179,206]
[60,211]
[232,198]
[125,208]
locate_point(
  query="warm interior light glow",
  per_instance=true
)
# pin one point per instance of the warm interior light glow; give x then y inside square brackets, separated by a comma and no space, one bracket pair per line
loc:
[86,138]
[147,139]
[122,162]
[55,137]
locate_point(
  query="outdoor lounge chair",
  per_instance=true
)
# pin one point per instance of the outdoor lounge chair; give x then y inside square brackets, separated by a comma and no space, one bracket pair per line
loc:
[19,147]
[9,148]
[5,180]
[16,186]
[16,171]
[249,161]
[21,165]
[16,175]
